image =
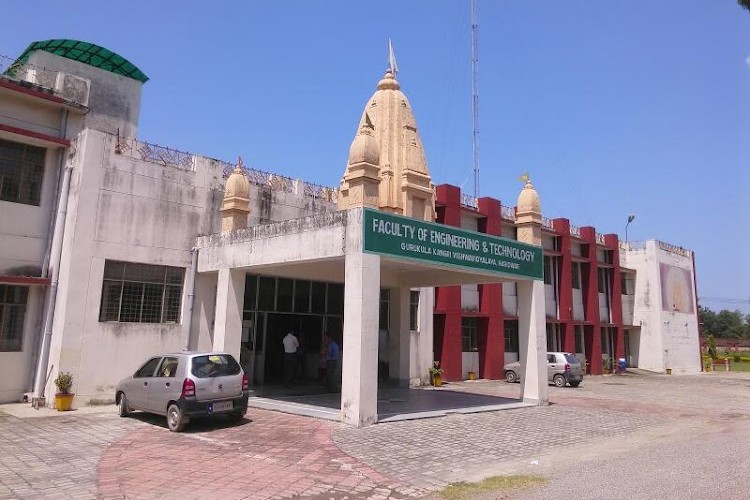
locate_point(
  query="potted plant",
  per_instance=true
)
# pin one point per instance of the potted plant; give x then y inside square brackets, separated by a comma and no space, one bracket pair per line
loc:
[436,374]
[63,397]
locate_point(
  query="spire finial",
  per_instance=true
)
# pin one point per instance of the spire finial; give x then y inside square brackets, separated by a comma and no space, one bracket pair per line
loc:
[240,165]
[392,66]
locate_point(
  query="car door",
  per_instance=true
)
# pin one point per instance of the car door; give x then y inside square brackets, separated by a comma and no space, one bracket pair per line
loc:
[138,393]
[163,385]
[551,366]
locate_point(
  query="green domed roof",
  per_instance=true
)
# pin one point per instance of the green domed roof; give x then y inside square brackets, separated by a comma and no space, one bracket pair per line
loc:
[87,53]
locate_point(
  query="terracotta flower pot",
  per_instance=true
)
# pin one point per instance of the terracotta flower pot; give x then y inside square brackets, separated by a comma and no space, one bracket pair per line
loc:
[437,380]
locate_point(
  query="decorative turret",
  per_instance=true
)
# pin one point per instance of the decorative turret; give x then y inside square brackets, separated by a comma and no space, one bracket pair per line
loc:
[359,187]
[405,185]
[529,214]
[236,205]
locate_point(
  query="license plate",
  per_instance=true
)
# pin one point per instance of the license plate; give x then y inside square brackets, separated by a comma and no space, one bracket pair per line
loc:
[222,406]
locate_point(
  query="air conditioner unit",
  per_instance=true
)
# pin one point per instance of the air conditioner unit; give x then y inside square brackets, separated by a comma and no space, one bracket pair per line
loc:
[28,75]
[73,88]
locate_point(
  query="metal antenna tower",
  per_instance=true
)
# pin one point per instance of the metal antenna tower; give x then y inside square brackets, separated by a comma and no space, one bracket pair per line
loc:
[475,93]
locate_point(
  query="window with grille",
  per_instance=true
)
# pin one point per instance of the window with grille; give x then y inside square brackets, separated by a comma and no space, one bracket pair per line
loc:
[511,336]
[21,172]
[413,310]
[12,311]
[141,293]
[469,335]
[575,275]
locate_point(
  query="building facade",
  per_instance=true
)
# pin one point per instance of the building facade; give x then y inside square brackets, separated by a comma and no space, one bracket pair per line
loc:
[106,242]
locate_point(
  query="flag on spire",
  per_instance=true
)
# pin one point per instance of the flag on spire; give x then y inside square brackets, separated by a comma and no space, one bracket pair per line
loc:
[392,59]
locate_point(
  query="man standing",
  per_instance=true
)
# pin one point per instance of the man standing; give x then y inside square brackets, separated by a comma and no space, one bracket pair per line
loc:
[332,361]
[290,357]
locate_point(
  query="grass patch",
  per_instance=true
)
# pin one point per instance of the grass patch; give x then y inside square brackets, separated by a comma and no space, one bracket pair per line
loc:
[463,490]
[737,366]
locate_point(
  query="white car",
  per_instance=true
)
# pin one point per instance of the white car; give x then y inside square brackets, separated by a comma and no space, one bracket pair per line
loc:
[562,368]
[184,385]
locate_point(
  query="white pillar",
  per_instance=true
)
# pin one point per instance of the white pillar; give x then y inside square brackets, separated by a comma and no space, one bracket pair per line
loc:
[400,335]
[230,292]
[425,340]
[532,338]
[359,367]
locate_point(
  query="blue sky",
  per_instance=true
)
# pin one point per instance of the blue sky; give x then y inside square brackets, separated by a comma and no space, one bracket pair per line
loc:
[613,107]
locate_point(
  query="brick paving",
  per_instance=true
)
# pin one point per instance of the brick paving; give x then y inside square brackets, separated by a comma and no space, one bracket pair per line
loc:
[55,457]
[435,452]
[275,455]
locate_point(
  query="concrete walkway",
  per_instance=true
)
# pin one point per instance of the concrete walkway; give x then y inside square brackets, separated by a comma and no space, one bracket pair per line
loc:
[643,433]
[394,404]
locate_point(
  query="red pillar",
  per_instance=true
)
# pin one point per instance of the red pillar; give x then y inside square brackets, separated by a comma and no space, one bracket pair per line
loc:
[448,298]
[613,245]
[491,331]
[565,284]
[590,280]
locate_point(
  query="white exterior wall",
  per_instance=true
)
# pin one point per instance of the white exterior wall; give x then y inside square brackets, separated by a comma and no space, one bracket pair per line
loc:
[25,230]
[114,100]
[667,339]
[120,209]
[16,368]
[127,209]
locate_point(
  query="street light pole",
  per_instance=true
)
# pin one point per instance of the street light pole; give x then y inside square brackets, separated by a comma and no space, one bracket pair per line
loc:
[631,218]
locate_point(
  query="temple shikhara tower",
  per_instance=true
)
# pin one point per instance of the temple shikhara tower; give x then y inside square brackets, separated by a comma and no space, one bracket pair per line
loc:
[387,168]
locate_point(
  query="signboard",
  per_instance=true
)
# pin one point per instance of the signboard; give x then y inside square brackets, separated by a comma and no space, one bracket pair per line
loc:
[398,236]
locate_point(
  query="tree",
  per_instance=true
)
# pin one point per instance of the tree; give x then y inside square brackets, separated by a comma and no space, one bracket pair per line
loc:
[744,3]
[724,324]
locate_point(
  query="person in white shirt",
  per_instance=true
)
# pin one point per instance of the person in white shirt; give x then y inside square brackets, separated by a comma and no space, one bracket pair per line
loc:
[290,357]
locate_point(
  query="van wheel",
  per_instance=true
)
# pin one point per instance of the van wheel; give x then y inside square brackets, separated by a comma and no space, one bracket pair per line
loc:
[559,381]
[122,407]
[574,384]
[176,421]
[510,376]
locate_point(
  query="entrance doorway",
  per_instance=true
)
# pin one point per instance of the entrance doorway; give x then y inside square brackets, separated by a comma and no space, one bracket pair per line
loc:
[309,332]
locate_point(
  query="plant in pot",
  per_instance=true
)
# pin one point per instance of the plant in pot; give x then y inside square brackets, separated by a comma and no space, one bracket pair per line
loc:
[63,397]
[436,374]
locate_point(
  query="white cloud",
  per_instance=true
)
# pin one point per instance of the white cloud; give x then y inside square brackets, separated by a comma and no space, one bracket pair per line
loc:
[748,60]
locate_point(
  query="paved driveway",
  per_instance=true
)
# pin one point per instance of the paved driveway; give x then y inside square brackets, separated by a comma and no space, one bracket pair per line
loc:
[625,436]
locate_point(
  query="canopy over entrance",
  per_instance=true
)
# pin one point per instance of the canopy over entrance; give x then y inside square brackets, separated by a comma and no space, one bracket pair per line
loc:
[368,250]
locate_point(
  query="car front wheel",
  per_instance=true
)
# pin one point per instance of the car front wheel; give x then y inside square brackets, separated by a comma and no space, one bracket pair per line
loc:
[510,376]
[559,381]
[176,421]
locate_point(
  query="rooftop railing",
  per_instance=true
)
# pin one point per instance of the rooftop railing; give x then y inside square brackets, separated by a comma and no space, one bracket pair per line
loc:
[668,247]
[153,153]
[282,183]
[27,72]
[632,245]
[547,223]
[508,213]
[161,155]
[469,201]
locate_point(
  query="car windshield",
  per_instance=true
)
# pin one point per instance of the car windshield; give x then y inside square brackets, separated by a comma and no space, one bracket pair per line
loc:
[572,358]
[214,365]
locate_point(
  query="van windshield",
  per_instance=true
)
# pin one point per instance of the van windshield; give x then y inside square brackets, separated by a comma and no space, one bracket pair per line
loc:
[214,365]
